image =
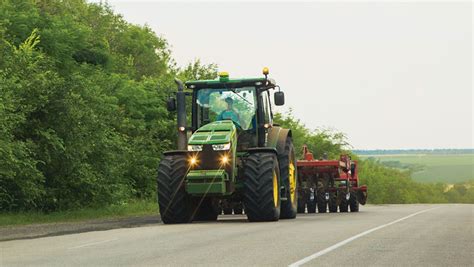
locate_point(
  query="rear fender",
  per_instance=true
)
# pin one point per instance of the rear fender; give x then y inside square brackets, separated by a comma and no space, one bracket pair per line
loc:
[262,149]
[277,138]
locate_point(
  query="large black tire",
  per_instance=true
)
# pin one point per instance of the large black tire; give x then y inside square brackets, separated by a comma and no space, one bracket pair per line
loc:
[301,205]
[332,203]
[262,187]
[174,203]
[206,210]
[343,206]
[353,203]
[311,204]
[321,201]
[287,162]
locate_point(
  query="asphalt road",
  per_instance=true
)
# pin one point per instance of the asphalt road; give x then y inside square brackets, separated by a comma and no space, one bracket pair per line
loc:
[388,235]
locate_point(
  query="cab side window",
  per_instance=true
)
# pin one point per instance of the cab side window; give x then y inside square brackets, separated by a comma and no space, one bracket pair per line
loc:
[266,108]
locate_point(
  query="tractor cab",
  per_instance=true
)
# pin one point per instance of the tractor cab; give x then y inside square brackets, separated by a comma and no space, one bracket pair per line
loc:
[245,102]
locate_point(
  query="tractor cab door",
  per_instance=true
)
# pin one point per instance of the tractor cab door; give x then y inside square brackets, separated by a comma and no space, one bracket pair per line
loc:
[265,121]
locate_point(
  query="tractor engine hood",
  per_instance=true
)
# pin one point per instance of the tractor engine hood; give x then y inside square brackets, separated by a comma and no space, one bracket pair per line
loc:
[218,132]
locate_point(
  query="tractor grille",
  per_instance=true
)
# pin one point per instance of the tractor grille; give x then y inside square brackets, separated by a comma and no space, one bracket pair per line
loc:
[208,159]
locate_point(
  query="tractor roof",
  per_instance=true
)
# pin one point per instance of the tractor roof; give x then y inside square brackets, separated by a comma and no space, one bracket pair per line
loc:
[224,82]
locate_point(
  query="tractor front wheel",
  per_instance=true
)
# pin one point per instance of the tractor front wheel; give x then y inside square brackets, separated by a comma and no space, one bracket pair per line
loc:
[262,187]
[174,203]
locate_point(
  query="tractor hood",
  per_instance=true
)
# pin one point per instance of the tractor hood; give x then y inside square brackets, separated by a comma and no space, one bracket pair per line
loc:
[218,132]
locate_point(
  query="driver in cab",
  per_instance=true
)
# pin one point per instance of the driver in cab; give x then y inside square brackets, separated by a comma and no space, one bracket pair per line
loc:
[229,113]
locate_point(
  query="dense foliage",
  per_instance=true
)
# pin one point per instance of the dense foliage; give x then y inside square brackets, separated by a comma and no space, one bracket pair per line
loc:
[82,105]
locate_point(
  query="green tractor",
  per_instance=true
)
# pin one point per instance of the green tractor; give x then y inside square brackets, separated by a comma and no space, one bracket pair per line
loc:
[232,158]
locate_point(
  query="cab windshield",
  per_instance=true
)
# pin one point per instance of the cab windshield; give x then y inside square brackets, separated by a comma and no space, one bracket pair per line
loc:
[235,104]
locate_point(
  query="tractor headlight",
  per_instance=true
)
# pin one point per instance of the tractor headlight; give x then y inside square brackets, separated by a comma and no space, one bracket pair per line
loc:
[193,161]
[225,159]
[194,147]
[221,147]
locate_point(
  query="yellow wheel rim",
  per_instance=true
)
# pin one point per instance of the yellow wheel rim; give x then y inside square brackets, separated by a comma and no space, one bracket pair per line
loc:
[275,189]
[292,178]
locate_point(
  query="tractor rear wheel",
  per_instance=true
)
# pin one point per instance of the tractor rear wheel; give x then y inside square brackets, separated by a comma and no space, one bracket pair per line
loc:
[332,203]
[262,187]
[174,203]
[287,162]
[353,203]
[321,200]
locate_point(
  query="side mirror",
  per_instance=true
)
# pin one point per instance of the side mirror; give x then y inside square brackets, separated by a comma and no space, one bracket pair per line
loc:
[279,98]
[171,104]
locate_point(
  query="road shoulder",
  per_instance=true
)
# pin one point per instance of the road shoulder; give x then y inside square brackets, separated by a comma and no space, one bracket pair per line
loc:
[53,229]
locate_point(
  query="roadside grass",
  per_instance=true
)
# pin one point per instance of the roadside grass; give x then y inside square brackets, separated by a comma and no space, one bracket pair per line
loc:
[430,168]
[131,209]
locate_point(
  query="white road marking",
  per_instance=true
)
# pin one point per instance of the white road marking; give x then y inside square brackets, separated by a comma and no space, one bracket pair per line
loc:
[94,243]
[342,243]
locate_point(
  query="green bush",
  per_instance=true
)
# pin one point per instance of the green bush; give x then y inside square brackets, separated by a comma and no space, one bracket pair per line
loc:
[82,105]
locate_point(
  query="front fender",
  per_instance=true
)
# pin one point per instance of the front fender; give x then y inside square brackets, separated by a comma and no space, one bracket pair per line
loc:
[175,152]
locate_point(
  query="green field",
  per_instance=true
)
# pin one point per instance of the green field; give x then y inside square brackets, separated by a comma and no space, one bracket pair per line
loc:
[446,168]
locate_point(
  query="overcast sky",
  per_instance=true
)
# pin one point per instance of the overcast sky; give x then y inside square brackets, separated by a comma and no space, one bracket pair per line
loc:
[388,74]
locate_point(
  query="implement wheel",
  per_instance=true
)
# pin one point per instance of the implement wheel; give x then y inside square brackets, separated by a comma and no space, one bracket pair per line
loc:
[332,203]
[353,203]
[262,187]
[311,205]
[287,162]
[301,205]
[175,204]
[343,206]
[322,205]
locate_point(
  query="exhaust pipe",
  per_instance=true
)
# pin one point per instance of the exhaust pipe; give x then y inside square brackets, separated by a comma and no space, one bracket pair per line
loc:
[181,110]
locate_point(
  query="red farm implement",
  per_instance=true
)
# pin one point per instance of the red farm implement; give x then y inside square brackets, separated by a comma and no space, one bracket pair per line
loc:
[329,184]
